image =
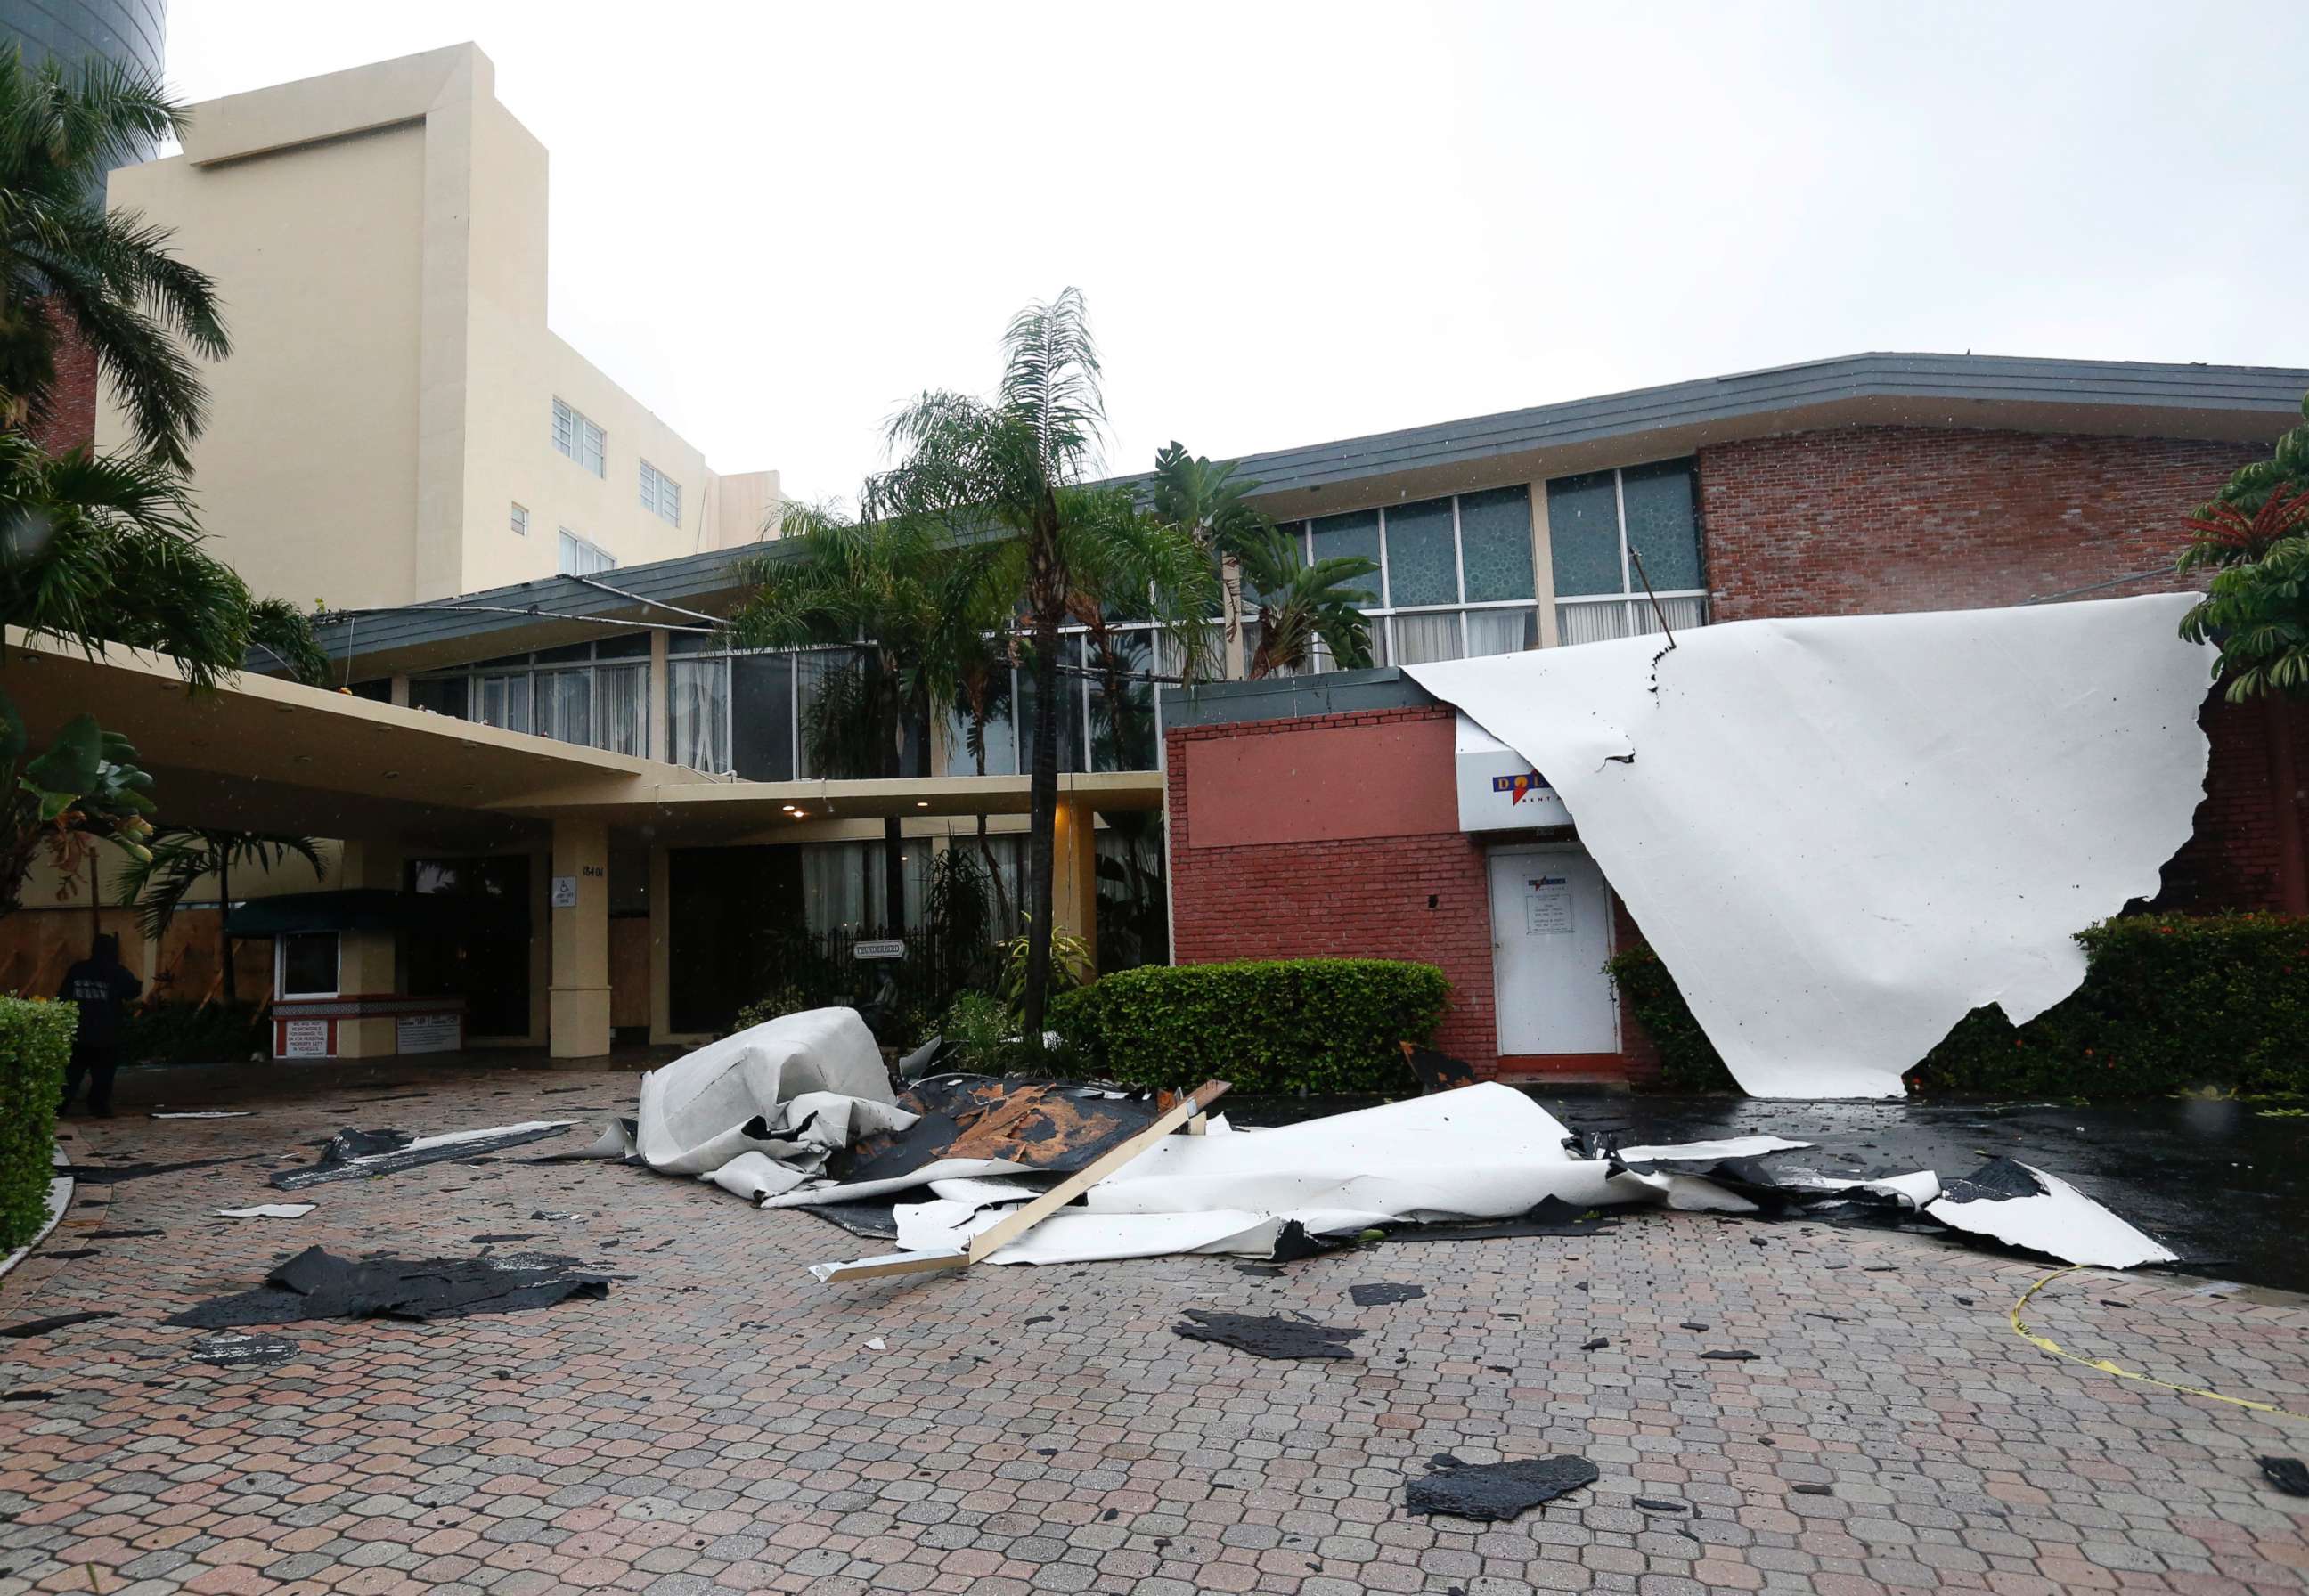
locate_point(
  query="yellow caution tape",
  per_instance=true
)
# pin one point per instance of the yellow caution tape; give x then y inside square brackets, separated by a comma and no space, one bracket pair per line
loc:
[2047,1344]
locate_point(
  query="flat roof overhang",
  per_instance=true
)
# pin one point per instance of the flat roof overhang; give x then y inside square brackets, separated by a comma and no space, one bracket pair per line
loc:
[260,753]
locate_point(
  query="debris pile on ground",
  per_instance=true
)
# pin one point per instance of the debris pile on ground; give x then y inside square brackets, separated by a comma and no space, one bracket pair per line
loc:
[318,1284]
[800,1112]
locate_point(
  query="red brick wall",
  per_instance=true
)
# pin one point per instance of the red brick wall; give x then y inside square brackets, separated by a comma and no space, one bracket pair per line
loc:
[71,398]
[1366,896]
[1870,519]
[1863,520]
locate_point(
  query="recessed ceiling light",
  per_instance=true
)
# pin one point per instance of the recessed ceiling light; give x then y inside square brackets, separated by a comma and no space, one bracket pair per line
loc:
[922,803]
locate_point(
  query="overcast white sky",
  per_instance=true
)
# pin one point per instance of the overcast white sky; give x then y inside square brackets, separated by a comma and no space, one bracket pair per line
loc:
[772,223]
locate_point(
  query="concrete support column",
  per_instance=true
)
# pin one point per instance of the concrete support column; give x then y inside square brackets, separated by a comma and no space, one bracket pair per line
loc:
[577,1012]
[367,963]
[1073,874]
[660,714]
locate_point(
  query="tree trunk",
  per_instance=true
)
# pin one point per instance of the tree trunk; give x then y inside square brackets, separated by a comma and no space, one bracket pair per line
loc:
[224,927]
[1042,825]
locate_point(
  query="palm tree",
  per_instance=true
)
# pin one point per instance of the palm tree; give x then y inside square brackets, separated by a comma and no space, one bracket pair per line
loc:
[869,585]
[1015,469]
[1301,605]
[157,886]
[1213,506]
[67,264]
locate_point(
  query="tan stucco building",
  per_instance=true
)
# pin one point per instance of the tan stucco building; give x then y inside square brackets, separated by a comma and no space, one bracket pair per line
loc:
[397,423]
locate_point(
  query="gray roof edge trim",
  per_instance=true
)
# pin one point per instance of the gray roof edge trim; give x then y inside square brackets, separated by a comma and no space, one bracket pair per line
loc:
[1630,413]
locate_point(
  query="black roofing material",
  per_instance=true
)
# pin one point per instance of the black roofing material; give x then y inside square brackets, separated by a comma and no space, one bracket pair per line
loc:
[360,1155]
[1380,1292]
[2287,1474]
[32,1327]
[1268,1338]
[1550,1216]
[108,1174]
[317,1284]
[1999,1180]
[1494,1493]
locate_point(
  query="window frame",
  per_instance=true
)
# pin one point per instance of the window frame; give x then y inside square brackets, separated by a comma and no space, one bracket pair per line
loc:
[526,668]
[520,519]
[570,540]
[1382,615]
[280,965]
[1635,604]
[579,438]
[656,489]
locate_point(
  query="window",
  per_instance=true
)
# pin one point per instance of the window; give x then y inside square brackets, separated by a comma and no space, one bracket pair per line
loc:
[774,715]
[575,436]
[581,558]
[1608,532]
[661,494]
[1455,576]
[521,521]
[595,694]
[308,964]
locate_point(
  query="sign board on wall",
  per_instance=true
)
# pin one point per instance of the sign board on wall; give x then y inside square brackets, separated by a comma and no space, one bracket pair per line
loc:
[565,892]
[1498,788]
[1547,906]
[428,1033]
[891,948]
[307,1039]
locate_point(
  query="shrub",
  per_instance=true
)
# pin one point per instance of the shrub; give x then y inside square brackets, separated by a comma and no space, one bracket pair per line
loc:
[2169,1003]
[193,1033]
[1688,1059]
[1291,1025]
[35,1040]
[981,1034]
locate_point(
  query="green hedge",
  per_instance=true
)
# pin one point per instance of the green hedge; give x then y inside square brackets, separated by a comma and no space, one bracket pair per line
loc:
[2170,1002]
[35,1040]
[1283,1026]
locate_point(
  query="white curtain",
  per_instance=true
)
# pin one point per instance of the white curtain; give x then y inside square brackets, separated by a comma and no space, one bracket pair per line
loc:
[1422,639]
[841,883]
[621,705]
[697,702]
[502,701]
[565,705]
[1501,631]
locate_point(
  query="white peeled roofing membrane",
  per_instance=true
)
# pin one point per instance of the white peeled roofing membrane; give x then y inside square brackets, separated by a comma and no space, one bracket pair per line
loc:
[779,1098]
[2058,1220]
[1841,836]
[697,1114]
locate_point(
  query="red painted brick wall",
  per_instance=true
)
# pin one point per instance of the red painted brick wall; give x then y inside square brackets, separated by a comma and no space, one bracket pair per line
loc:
[1870,519]
[1366,896]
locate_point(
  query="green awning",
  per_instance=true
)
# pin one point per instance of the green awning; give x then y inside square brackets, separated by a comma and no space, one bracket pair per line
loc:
[348,909]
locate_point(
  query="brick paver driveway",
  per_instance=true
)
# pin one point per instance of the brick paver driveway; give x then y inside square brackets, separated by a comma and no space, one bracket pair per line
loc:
[720,1422]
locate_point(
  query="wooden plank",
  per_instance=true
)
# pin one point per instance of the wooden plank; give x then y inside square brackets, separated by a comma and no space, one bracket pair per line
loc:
[994,1240]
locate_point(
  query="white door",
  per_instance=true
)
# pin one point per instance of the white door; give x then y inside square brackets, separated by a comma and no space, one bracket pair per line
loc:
[1550,933]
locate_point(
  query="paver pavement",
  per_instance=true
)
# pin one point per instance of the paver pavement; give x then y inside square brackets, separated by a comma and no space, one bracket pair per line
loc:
[719,1422]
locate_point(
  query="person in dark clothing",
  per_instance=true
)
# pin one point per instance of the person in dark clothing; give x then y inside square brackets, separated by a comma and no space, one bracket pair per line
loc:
[103,990]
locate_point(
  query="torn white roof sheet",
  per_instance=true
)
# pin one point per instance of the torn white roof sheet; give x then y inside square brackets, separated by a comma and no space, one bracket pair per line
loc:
[2054,1219]
[1842,836]
[695,1115]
